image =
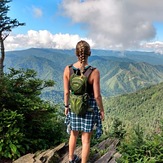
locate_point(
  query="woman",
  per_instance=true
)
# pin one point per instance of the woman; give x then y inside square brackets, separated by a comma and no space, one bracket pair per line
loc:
[86,123]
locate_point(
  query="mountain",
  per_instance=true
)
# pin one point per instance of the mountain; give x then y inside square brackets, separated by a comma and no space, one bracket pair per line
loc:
[143,107]
[138,56]
[129,77]
[120,73]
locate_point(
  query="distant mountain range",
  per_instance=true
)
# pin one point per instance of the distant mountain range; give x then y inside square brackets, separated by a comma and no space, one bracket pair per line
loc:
[121,72]
[143,107]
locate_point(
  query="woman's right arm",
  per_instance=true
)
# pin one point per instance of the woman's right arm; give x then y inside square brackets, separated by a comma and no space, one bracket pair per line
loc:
[97,91]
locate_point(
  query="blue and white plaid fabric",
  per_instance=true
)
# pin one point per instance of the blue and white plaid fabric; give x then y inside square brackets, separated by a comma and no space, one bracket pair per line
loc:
[87,123]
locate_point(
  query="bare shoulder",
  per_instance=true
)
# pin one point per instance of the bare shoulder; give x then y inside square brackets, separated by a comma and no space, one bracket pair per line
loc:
[95,75]
[66,70]
[95,72]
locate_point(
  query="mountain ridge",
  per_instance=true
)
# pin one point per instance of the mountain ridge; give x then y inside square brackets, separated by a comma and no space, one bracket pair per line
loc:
[119,74]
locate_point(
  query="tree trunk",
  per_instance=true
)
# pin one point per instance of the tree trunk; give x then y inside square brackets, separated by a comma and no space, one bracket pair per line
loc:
[2,56]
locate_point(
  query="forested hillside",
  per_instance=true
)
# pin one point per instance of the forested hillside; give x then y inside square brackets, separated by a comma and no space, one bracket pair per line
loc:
[121,72]
[144,107]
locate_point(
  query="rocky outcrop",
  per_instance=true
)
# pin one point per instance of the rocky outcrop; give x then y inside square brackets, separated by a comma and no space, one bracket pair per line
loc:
[47,156]
[103,152]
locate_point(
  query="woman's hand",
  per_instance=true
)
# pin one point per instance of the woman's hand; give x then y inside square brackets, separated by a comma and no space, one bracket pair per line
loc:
[66,111]
[102,115]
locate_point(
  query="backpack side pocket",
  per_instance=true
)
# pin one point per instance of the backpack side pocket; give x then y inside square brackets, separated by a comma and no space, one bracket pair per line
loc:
[79,103]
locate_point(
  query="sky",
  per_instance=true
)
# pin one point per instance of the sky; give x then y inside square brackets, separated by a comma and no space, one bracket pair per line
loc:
[104,24]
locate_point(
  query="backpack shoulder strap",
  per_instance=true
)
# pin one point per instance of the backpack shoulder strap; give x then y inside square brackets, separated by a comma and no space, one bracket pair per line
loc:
[89,71]
[71,69]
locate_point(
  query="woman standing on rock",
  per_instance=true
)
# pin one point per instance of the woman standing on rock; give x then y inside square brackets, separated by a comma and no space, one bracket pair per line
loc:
[84,124]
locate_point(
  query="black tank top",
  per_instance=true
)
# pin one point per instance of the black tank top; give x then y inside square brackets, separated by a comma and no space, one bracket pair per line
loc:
[89,86]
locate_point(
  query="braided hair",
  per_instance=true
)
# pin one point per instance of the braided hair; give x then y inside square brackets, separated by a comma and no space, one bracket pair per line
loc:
[82,52]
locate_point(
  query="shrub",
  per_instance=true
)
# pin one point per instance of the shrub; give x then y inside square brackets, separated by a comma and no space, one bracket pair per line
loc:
[27,122]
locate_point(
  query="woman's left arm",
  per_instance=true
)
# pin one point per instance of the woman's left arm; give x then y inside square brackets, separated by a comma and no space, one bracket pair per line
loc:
[66,88]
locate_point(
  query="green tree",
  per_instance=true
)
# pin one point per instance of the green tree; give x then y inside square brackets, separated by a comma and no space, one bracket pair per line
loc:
[27,123]
[6,26]
[138,149]
[117,129]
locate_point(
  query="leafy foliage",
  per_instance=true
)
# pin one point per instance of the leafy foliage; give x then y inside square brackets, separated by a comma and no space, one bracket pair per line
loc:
[6,23]
[11,135]
[117,129]
[141,150]
[27,122]
[6,26]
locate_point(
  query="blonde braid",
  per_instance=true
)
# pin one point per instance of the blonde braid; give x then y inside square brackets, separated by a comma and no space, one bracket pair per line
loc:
[82,51]
[82,59]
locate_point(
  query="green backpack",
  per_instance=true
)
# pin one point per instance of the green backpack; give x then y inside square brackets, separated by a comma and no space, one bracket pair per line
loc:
[78,91]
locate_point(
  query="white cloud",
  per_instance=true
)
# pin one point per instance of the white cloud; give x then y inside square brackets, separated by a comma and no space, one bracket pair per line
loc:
[37,12]
[125,23]
[110,24]
[156,46]
[43,39]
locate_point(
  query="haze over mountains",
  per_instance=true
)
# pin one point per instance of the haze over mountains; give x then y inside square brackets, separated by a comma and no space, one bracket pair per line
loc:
[121,72]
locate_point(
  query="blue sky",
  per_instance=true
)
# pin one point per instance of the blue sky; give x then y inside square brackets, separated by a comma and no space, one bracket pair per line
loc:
[105,24]
[159,29]
[42,15]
